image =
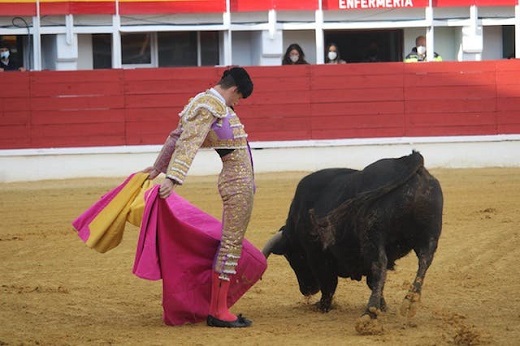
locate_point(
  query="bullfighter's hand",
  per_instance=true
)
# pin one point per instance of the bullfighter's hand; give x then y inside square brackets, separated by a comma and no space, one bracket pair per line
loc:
[166,188]
[152,172]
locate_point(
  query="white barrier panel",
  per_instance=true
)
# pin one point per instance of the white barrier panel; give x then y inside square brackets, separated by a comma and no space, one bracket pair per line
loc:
[439,152]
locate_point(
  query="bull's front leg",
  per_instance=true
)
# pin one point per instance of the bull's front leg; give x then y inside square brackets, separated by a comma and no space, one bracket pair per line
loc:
[326,275]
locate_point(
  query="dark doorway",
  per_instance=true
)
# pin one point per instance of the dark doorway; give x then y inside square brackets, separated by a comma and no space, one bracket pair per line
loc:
[508,41]
[368,45]
[102,51]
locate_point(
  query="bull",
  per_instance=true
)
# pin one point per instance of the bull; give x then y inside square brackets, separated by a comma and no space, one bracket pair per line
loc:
[356,223]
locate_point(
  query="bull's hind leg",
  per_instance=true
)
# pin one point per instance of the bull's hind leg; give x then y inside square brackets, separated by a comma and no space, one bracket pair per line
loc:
[368,323]
[411,301]
[376,282]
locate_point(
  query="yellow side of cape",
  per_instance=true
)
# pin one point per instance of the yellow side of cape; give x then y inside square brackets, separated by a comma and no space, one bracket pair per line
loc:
[106,230]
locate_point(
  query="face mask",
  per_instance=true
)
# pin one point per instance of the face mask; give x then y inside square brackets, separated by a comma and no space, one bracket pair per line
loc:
[333,55]
[4,55]
[421,50]
[294,58]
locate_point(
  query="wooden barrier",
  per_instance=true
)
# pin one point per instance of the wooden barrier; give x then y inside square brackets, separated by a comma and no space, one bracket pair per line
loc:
[56,109]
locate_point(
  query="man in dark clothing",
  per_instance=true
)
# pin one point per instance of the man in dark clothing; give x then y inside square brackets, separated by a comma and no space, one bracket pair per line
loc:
[7,64]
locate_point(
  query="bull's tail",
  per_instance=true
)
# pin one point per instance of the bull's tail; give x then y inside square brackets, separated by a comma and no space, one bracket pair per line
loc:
[325,226]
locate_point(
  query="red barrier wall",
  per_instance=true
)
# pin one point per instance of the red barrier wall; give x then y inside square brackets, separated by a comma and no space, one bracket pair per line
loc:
[132,107]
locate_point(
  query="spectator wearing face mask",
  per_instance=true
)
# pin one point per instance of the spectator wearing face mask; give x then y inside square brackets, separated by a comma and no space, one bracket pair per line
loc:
[333,56]
[6,62]
[418,53]
[294,55]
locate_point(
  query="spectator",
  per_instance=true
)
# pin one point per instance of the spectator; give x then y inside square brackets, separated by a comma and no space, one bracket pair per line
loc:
[418,53]
[7,63]
[294,55]
[333,55]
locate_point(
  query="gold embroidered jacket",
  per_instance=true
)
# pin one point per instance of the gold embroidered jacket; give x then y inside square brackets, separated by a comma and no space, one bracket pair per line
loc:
[205,122]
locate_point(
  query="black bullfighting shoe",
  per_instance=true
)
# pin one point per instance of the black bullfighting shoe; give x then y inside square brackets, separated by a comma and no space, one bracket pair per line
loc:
[240,322]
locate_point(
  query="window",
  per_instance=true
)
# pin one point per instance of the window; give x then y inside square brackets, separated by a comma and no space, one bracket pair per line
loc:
[177,49]
[188,48]
[368,45]
[136,50]
[163,49]
[102,51]
[209,47]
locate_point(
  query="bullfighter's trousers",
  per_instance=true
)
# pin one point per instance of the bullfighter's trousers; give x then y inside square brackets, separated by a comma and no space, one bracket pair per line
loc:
[236,188]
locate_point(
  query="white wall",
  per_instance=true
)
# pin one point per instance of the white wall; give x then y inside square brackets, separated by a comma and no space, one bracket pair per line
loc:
[242,45]
[492,43]
[447,42]
[49,52]
[85,52]
[439,152]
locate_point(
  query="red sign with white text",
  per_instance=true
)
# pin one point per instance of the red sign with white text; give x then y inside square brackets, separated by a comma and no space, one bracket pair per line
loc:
[396,4]
[372,4]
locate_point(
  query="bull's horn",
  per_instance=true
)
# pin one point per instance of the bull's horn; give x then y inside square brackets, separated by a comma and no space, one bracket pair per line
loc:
[268,248]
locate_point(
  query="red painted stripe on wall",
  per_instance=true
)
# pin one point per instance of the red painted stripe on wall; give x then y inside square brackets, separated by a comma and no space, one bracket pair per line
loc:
[151,7]
[18,9]
[134,107]
[250,5]
[71,7]
[292,5]
[98,7]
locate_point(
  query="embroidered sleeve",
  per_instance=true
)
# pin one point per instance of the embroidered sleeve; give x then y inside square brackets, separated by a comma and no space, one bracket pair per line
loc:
[161,163]
[195,128]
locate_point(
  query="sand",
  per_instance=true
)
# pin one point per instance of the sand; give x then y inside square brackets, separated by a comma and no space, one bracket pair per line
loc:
[56,291]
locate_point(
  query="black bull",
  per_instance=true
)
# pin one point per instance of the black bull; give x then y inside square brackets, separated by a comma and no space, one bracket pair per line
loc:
[349,223]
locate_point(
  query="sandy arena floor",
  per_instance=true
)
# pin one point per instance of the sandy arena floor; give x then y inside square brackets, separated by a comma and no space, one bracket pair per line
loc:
[56,291]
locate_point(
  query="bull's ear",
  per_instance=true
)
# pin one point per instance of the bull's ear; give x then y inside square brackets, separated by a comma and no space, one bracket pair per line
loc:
[277,245]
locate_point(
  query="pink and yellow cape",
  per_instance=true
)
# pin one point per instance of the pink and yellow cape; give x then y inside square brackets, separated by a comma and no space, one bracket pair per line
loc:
[177,243]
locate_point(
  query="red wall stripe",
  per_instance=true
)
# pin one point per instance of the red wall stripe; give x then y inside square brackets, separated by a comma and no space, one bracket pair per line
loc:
[18,9]
[97,7]
[151,7]
[133,107]
[219,6]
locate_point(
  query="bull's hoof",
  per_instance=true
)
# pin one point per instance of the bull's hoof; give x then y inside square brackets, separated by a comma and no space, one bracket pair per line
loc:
[383,305]
[410,304]
[367,325]
[324,306]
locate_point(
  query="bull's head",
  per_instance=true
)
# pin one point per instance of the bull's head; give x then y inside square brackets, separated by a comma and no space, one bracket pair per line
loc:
[280,244]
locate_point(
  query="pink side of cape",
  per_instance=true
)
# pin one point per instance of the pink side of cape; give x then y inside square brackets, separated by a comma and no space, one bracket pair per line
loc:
[177,243]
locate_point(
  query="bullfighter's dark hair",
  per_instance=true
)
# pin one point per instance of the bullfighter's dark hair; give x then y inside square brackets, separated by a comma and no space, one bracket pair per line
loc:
[237,76]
